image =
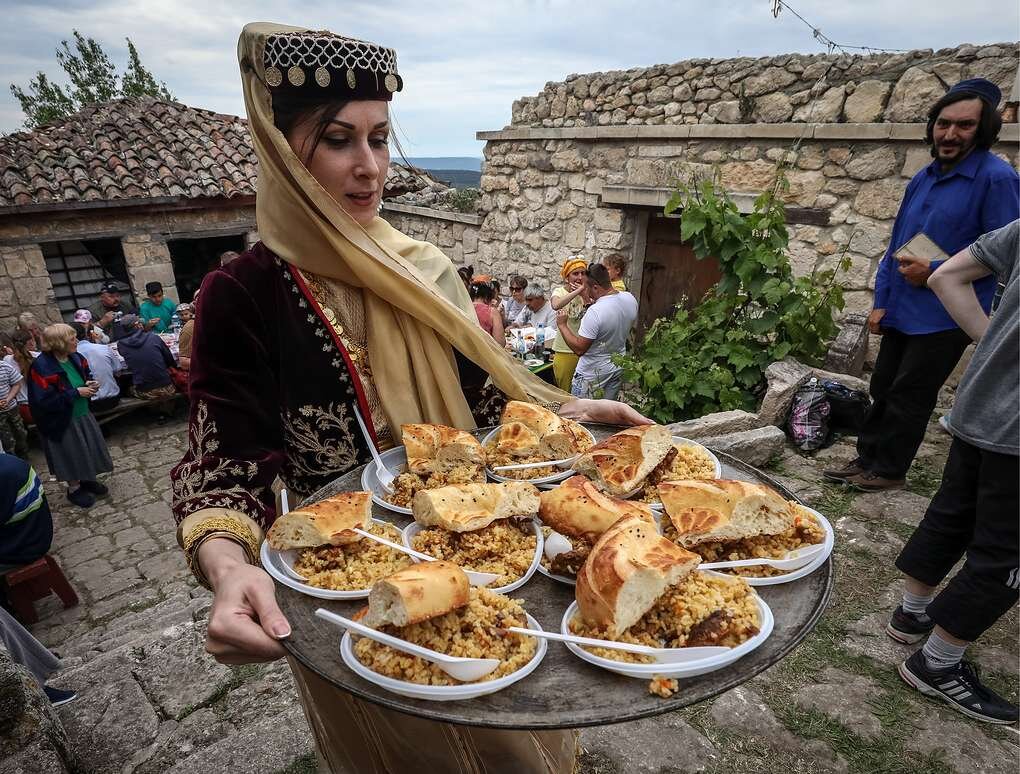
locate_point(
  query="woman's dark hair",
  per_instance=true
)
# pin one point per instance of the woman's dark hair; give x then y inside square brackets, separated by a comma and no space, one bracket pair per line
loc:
[615,260]
[481,291]
[517,281]
[20,339]
[466,273]
[988,126]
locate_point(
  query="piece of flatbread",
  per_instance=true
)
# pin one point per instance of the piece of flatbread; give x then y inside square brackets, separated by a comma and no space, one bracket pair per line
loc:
[467,507]
[328,521]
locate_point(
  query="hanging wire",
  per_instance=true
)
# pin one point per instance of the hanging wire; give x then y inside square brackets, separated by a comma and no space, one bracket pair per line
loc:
[825,40]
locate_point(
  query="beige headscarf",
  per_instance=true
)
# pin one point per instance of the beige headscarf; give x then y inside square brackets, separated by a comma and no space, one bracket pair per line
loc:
[406,284]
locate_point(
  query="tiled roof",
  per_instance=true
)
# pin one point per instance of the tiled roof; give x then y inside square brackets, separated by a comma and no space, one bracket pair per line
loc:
[139,149]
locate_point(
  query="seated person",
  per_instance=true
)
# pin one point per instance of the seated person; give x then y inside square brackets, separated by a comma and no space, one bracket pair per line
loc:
[26,526]
[187,315]
[109,312]
[514,303]
[84,316]
[157,310]
[104,363]
[537,309]
[482,293]
[149,359]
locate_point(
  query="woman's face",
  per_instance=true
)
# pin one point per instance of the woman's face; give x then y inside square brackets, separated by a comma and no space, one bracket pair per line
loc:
[576,278]
[614,273]
[353,157]
[72,344]
[186,315]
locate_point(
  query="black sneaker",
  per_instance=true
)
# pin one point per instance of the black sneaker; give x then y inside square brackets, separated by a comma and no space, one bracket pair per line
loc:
[58,697]
[959,687]
[908,628]
[81,498]
[99,490]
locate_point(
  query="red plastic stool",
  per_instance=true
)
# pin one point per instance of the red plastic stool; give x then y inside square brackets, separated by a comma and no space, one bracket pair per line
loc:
[34,581]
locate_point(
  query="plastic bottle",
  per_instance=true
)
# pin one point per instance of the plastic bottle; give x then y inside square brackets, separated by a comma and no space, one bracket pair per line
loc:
[540,337]
[175,323]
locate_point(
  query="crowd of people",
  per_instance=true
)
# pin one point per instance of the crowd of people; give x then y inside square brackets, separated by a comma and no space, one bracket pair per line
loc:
[584,320]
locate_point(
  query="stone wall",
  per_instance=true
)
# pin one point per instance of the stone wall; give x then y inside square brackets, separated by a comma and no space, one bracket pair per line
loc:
[792,87]
[25,283]
[455,233]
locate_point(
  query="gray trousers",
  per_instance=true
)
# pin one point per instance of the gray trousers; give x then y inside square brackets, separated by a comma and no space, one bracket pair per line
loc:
[26,649]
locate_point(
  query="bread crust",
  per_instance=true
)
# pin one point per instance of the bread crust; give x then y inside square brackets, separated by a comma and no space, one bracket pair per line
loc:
[417,593]
[439,448]
[628,569]
[723,509]
[529,429]
[577,508]
[618,464]
[467,507]
[328,521]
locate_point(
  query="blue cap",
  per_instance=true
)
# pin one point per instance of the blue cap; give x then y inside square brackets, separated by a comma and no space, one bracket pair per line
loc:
[979,87]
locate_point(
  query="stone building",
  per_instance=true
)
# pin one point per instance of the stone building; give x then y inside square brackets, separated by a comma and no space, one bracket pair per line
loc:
[130,190]
[587,164]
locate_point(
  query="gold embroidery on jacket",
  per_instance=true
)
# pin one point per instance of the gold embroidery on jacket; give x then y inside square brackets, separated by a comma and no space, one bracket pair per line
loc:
[320,445]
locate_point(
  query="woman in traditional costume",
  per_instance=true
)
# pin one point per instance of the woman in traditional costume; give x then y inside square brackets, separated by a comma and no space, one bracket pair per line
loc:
[332,312]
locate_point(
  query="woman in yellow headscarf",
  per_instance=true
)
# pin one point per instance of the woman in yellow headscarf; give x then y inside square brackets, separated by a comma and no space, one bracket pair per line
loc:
[569,296]
[333,312]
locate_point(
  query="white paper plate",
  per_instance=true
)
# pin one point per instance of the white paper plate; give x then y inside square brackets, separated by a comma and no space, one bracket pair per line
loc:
[395,460]
[807,569]
[414,528]
[685,669]
[564,464]
[276,564]
[680,440]
[442,692]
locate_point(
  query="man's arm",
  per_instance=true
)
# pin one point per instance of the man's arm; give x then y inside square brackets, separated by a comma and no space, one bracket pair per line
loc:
[578,344]
[953,284]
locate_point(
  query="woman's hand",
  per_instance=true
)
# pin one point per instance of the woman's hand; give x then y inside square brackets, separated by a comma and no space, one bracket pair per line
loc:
[609,412]
[245,623]
[86,392]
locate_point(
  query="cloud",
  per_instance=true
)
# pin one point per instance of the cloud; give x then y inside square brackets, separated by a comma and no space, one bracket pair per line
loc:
[464,63]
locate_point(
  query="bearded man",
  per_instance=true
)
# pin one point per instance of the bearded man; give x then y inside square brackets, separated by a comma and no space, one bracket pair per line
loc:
[965,192]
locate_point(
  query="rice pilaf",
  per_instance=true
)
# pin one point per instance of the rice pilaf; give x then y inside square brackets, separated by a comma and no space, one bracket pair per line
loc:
[806,531]
[354,566]
[684,463]
[494,458]
[569,563]
[505,547]
[407,483]
[699,610]
[468,632]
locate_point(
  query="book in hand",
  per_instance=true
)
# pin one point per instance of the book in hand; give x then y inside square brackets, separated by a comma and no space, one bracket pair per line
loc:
[920,247]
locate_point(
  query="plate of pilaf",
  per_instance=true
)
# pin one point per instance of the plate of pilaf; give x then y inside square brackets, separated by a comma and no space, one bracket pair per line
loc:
[469,632]
[511,548]
[337,572]
[408,483]
[809,528]
[702,609]
[686,460]
[557,470]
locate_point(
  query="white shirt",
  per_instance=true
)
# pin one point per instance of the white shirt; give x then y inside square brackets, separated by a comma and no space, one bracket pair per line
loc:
[545,316]
[607,323]
[104,363]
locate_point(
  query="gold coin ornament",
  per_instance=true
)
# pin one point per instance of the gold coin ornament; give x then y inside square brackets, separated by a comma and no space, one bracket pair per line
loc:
[274,77]
[322,77]
[390,82]
[296,76]
[352,82]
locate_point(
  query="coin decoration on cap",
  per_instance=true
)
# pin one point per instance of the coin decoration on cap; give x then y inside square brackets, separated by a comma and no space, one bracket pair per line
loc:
[322,76]
[296,76]
[274,77]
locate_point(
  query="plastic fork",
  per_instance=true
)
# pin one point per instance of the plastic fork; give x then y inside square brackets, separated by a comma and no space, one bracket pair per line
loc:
[386,478]
[476,578]
[661,655]
[466,670]
[794,560]
[529,465]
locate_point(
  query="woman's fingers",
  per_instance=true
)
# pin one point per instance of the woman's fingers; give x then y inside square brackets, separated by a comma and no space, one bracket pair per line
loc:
[245,622]
[262,597]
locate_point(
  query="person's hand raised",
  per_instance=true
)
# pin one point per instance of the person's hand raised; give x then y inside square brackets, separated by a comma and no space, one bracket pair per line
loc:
[609,412]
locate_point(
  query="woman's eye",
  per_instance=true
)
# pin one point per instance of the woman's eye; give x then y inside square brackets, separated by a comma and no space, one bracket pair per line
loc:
[379,142]
[335,142]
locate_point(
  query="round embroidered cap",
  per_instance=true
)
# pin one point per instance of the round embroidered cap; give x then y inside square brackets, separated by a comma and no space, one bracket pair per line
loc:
[324,62]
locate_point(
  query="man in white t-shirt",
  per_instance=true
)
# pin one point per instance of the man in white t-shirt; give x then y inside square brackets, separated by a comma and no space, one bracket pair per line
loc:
[603,332]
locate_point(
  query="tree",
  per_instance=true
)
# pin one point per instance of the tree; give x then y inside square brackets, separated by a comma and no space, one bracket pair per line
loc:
[93,79]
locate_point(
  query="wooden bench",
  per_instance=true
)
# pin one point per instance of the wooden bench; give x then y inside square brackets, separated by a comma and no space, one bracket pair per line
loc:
[34,581]
[128,405]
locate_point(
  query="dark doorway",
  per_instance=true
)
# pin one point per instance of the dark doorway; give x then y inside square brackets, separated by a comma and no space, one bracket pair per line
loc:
[194,258]
[672,274]
[78,268]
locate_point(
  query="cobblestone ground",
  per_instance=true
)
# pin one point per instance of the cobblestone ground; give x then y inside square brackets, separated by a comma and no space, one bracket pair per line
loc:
[152,701]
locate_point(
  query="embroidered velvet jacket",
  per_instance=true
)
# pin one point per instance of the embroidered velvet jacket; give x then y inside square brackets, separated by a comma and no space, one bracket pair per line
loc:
[273,389]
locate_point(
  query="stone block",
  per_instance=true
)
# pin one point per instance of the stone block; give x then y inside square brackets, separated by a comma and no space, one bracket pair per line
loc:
[880,198]
[33,291]
[867,102]
[755,447]
[609,219]
[29,726]
[915,92]
[852,711]
[917,158]
[718,423]
[826,109]
[773,108]
[644,746]
[784,378]
[872,165]
[850,347]
[772,79]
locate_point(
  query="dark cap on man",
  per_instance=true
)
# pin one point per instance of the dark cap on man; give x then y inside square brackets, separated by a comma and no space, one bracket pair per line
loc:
[979,87]
[152,288]
[109,287]
[129,321]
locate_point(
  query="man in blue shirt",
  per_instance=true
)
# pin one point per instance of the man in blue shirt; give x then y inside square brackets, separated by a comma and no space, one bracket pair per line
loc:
[965,192]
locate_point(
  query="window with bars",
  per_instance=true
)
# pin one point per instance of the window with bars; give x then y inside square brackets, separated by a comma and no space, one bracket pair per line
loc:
[77,269]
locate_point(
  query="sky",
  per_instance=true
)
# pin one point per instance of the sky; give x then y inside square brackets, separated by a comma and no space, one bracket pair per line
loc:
[464,63]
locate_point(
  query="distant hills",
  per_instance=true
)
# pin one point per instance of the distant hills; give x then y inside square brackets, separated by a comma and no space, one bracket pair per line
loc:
[447,162]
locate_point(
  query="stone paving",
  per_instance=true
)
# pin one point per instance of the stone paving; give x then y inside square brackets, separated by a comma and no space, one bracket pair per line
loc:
[151,700]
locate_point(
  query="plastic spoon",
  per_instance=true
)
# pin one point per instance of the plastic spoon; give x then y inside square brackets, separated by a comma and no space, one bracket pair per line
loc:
[464,669]
[386,478]
[793,561]
[476,578]
[661,655]
[529,465]
[287,558]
